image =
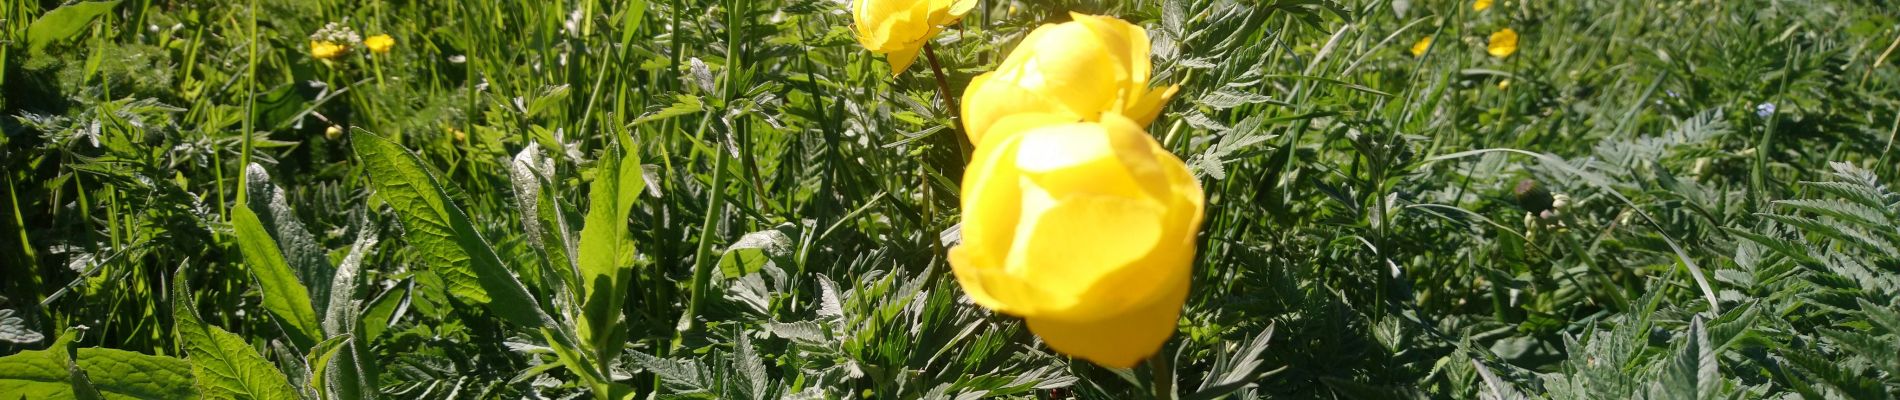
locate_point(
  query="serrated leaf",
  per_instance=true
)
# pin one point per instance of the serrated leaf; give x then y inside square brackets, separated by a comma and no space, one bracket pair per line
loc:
[443,233]
[1225,99]
[65,22]
[751,369]
[682,105]
[224,365]
[284,297]
[1694,372]
[116,374]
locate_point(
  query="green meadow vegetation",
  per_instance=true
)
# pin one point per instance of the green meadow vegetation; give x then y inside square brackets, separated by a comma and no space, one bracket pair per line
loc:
[733,199]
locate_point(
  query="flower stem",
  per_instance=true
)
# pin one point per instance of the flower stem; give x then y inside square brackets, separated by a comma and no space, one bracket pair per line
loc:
[943,91]
[1163,375]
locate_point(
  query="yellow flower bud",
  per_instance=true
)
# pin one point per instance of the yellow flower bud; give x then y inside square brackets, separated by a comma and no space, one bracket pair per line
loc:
[326,50]
[1084,229]
[1424,44]
[379,44]
[1503,43]
[899,28]
[1082,69]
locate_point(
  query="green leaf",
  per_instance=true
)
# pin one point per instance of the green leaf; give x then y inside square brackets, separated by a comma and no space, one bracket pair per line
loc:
[353,375]
[65,22]
[443,233]
[224,365]
[14,330]
[756,250]
[606,251]
[319,361]
[284,297]
[306,257]
[684,105]
[116,374]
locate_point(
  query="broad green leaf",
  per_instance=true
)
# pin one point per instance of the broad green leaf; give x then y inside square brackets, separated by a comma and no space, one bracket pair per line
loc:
[285,297]
[606,250]
[443,233]
[306,257]
[224,365]
[65,22]
[755,250]
[116,374]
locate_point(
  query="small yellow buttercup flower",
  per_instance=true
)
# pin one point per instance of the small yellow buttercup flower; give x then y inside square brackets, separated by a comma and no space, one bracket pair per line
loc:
[379,44]
[1086,230]
[898,29]
[326,50]
[1424,43]
[1081,68]
[1503,43]
[1480,5]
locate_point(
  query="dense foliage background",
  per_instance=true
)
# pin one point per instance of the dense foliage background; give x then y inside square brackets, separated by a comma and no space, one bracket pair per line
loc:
[1649,199]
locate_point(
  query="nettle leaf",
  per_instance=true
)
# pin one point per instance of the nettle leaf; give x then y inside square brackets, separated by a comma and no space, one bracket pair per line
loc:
[286,299]
[1694,372]
[606,250]
[65,22]
[443,233]
[115,374]
[13,329]
[224,364]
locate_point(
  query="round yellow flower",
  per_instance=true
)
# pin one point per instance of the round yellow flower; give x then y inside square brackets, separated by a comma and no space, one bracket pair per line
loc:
[379,44]
[899,28]
[1503,43]
[1084,229]
[1480,5]
[326,50]
[1424,43]
[1081,68]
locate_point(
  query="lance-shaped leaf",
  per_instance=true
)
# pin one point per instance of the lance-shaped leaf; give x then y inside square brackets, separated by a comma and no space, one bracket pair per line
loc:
[443,233]
[606,250]
[224,365]
[284,297]
[301,251]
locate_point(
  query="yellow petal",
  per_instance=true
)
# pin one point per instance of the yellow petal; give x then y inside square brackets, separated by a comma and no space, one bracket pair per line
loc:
[1144,111]
[1503,43]
[1480,5]
[1424,44]
[902,58]
[1080,241]
[1120,340]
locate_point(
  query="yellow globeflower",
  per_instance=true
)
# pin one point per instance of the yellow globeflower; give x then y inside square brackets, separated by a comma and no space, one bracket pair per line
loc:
[379,44]
[1480,5]
[1086,230]
[899,28]
[1503,43]
[326,50]
[1424,43]
[1081,69]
